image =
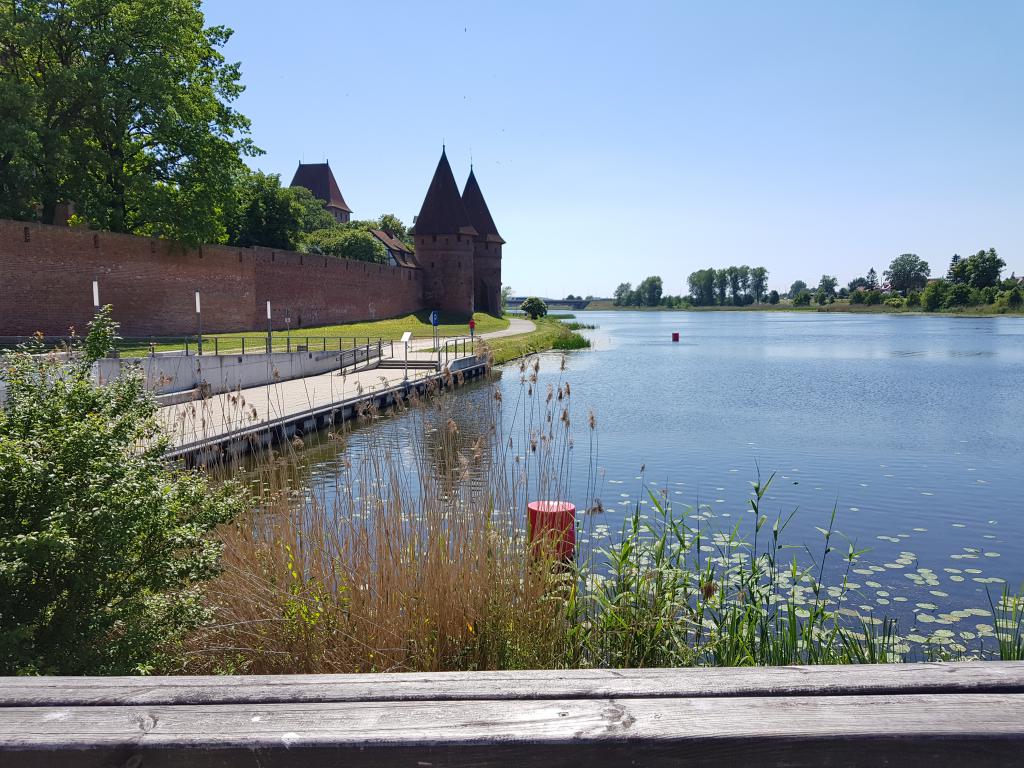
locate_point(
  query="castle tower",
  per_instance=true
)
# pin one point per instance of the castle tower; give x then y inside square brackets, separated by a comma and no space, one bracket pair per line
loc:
[318,179]
[486,249]
[444,245]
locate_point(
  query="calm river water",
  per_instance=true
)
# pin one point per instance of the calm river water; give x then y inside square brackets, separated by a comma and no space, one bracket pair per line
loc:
[911,427]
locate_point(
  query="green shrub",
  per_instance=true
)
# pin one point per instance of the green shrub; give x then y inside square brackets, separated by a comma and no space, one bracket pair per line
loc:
[534,307]
[913,299]
[773,297]
[857,297]
[802,299]
[895,301]
[1014,300]
[103,547]
[958,295]
[933,296]
[872,298]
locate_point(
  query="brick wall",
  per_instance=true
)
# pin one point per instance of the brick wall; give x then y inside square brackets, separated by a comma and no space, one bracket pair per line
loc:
[46,275]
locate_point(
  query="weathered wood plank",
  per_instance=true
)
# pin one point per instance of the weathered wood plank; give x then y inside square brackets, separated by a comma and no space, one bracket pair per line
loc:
[976,729]
[990,677]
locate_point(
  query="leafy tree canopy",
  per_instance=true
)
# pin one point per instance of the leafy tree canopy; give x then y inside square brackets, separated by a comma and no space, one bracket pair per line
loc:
[124,108]
[907,272]
[348,242]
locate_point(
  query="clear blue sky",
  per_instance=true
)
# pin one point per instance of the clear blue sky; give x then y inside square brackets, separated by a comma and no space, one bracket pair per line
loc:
[619,140]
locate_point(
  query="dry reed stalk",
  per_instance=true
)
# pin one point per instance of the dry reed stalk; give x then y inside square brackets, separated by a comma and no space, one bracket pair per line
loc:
[413,557]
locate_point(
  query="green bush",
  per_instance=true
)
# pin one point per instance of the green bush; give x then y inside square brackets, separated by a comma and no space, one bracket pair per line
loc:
[802,299]
[872,298]
[958,295]
[103,547]
[534,307]
[934,295]
[895,301]
[913,299]
[1014,300]
[857,297]
[773,297]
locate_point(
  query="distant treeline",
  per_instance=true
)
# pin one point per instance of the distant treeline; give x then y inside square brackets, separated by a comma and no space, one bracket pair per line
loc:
[732,286]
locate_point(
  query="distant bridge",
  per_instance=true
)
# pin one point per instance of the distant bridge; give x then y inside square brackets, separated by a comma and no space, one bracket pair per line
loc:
[515,301]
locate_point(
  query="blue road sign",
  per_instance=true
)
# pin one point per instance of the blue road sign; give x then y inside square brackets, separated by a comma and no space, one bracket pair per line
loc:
[435,319]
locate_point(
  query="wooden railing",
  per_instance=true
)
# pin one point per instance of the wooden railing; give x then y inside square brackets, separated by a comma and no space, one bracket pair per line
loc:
[969,714]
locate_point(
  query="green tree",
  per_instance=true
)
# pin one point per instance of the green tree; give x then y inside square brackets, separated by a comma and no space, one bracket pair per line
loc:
[871,281]
[733,275]
[982,270]
[952,274]
[621,295]
[702,287]
[907,272]
[957,295]
[798,287]
[103,545]
[758,283]
[802,299]
[649,291]
[348,242]
[856,283]
[773,297]
[934,295]
[534,307]
[744,275]
[506,295]
[827,285]
[394,225]
[721,285]
[263,212]
[126,108]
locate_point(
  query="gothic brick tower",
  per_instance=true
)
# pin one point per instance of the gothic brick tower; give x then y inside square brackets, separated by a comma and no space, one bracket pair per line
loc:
[486,249]
[444,245]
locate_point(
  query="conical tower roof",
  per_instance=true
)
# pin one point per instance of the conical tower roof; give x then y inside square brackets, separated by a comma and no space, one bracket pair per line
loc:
[318,179]
[442,212]
[479,214]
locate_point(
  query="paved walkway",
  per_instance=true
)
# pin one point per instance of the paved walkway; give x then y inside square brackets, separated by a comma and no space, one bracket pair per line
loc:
[203,419]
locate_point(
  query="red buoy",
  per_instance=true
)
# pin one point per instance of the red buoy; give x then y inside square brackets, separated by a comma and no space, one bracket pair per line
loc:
[675,335]
[553,525]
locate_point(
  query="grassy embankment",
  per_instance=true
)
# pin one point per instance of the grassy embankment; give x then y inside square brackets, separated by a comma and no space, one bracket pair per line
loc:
[549,334]
[391,328]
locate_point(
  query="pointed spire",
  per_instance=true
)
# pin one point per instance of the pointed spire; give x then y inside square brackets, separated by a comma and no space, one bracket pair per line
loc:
[442,212]
[479,213]
[319,179]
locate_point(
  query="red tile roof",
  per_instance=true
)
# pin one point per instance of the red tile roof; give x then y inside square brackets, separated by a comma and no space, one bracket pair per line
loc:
[479,213]
[442,212]
[318,179]
[403,254]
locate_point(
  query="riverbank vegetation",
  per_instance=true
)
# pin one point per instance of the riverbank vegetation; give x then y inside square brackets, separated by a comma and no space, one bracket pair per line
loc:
[103,546]
[549,334]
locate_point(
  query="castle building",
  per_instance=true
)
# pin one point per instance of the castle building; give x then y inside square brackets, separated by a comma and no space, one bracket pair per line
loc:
[318,179]
[458,247]
[486,249]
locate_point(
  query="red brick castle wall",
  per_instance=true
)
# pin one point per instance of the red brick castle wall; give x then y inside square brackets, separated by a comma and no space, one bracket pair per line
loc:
[46,275]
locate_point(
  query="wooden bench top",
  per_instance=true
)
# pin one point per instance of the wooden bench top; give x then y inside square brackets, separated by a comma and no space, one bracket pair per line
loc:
[903,714]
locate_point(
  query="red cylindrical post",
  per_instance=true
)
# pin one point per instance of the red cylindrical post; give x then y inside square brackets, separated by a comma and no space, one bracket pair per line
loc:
[675,335]
[554,523]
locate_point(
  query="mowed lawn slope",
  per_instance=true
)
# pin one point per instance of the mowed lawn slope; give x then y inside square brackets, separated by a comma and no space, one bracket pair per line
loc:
[391,328]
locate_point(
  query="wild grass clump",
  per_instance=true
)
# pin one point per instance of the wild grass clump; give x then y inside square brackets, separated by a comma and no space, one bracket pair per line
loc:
[672,591]
[412,557]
